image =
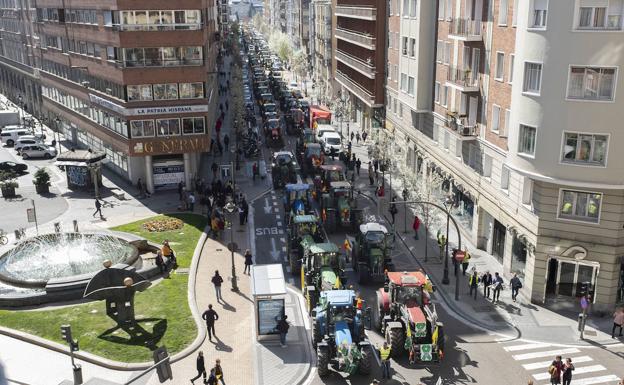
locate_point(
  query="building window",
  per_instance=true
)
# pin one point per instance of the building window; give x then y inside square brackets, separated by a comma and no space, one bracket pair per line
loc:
[193,126]
[159,20]
[539,13]
[166,91]
[512,57]
[444,96]
[167,127]
[532,78]
[403,82]
[441,10]
[139,92]
[447,140]
[400,109]
[507,123]
[591,83]
[411,85]
[519,256]
[412,51]
[487,166]
[593,18]
[585,148]
[505,173]
[580,205]
[413,7]
[437,92]
[495,118]
[406,7]
[526,140]
[163,56]
[142,128]
[514,17]
[405,45]
[440,51]
[447,52]
[191,90]
[448,9]
[500,66]
[502,12]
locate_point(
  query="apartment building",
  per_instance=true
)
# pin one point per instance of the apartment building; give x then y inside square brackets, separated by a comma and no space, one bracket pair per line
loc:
[304,29]
[521,128]
[293,22]
[358,43]
[137,81]
[321,41]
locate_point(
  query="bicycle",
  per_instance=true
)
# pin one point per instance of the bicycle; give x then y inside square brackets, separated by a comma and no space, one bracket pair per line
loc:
[3,238]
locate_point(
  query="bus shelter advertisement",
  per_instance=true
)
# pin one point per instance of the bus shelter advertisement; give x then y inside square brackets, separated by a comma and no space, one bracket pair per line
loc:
[270,311]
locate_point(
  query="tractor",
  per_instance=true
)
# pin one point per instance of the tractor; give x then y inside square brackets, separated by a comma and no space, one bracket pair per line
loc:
[273,133]
[283,169]
[339,207]
[408,319]
[311,159]
[294,121]
[305,136]
[303,232]
[328,173]
[371,252]
[322,269]
[338,334]
[297,199]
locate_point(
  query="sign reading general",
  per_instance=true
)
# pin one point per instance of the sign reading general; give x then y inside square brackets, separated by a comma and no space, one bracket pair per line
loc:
[171,146]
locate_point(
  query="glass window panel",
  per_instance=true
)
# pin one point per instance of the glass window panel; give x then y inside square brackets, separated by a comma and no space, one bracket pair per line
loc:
[154,17]
[133,93]
[606,83]
[584,147]
[174,126]
[152,57]
[148,128]
[569,150]
[172,91]
[193,17]
[141,17]
[166,17]
[198,90]
[127,17]
[146,92]
[187,125]
[199,125]
[169,55]
[185,91]
[179,17]
[162,127]
[136,128]
[600,149]
[160,91]
[585,17]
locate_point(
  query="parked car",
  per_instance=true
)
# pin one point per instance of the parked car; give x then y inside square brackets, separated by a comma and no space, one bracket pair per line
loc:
[28,140]
[10,136]
[18,168]
[38,151]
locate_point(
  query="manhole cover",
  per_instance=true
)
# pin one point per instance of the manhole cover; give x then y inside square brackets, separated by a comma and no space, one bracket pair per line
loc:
[232,246]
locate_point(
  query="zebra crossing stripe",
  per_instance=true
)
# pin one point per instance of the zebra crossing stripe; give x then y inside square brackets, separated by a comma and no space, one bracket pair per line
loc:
[577,371]
[595,380]
[516,348]
[544,353]
[545,364]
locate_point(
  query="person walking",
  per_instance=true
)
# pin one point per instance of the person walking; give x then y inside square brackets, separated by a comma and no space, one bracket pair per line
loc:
[568,367]
[226,142]
[416,226]
[98,208]
[358,165]
[210,316]
[384,354]
[465,261]
[200,366]
[497,281]
[364,135]
[160,262]
[140,188]
[219,371]
[357,138]
[393,209]
[473,281]
[516,285]
[618,321]
[376,168]
[214,169]
[282,328]
[248,262]
[191,202]
[212,378]
[371,176]
[555,370]
[217,280]
[486,280]
[254,170]
[352,136]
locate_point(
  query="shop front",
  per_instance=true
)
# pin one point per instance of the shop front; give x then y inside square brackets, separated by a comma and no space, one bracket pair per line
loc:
[569,272]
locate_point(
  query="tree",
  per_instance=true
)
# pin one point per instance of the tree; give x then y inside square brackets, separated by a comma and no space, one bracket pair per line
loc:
[299,64]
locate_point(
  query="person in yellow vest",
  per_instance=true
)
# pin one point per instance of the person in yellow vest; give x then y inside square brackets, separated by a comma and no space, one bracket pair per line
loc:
[441,243]
[384,354]
[465,261]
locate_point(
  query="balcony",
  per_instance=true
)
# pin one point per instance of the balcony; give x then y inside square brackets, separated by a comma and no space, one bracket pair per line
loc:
[361,66]
[358,38]
[364,13]
[355,89]
[464,80]
[461,126]
[465,30]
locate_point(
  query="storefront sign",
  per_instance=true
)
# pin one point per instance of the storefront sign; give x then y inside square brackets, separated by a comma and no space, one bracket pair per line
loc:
[178,145]
[107,104]
[270,311]
[168,175]
[166,110]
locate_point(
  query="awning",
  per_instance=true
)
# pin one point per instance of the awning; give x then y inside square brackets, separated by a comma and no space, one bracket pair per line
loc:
[70,163]
[267,280]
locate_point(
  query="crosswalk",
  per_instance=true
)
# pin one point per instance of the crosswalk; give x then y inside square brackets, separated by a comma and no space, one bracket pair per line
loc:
[533,357]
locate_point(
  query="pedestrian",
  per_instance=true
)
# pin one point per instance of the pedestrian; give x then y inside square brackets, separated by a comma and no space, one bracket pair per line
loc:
[376,167]
[226,141]
[486,280]
[364,135]
[140,187]
[210,316]
[227,105]
[349,145]
[393,209]
[618,321]
[352,136]
[167,252]
[473,281]
[200,366]
[357,138]
[568,367]
[160,262]
[416,226]
[191,202]
[358,165]
[214,168]
[282,328]
[98,208]
[497,281]
[384,354]
[219,147]
[248,262]
[516,285]
[217,280]
[254,170]
[465,261]
[245,207]
[555,370]
[219,371]
[212,378]
[221,107]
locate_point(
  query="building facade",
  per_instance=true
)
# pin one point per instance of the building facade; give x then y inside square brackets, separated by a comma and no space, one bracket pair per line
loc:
[322,52]
[522,129]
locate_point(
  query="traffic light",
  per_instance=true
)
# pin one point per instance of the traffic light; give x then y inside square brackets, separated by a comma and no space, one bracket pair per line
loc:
[66,333]
[163,369]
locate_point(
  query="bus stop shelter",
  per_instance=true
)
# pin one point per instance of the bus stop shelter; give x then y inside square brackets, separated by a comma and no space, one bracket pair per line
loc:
[268,289]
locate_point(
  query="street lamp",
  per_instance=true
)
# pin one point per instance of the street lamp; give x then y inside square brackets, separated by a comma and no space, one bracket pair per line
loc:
[20,100]
[58,133]
[447,204]
[230,207]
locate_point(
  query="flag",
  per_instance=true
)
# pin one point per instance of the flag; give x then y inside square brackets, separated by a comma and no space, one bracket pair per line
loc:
[347,245]
[434,336]
[337,285]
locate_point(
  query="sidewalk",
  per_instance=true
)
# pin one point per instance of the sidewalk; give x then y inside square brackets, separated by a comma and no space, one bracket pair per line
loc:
[521,319]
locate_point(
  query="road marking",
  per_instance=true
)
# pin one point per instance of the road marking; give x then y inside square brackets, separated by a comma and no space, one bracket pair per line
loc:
[274,203]
[285,258]
[278,216]
[545,364]
[544,353]
[279,223]
[577,371]
[283,240]
[595,380]
[280,232]
[515,348]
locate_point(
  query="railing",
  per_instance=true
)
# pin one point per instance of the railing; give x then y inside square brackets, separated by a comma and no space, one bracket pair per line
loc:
[354,62]
[361,92]
[461,126]
[156,27]
[465,78]
[465,28]
[357,12]
[358,37]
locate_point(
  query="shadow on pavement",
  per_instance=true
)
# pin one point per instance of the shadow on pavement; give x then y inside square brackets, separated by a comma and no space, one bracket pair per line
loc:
[137,335]
[226,306]
[220,346]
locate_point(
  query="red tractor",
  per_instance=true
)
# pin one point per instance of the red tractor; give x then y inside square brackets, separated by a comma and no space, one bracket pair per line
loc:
[407,318]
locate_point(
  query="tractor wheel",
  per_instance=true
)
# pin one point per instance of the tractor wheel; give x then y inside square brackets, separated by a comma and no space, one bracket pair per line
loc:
[322,360]
[396,339]
[316,333]
[363,274]
[366,362]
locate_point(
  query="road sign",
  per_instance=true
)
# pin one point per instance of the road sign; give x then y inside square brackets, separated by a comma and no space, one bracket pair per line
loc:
[30,213]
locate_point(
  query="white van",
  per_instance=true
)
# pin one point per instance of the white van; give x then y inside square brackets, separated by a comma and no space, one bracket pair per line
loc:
[322,129]
[331,142]
[10,136]
[27,140]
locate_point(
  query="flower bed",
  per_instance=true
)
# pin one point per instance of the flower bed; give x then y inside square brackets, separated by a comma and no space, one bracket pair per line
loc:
[163,224]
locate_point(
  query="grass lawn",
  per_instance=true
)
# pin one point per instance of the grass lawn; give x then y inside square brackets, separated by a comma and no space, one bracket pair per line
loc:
[162,311]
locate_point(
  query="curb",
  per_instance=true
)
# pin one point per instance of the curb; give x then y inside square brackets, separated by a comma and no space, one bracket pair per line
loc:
[123,366]
[308,376]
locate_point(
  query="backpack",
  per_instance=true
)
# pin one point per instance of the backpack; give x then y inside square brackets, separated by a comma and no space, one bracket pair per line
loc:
[552,370]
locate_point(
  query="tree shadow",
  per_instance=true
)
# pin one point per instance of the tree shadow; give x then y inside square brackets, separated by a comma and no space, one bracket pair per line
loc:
[137,335]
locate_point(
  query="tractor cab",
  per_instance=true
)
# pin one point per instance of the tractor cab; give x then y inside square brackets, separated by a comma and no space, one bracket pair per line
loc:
[305,136]
[328,173]
[297,198]
[322,269]
[283,168]
[303,232]
[371,252]
[411,289]
[339,207]
[312,159]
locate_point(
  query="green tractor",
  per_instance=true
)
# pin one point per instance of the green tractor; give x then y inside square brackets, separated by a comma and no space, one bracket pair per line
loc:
[297,199]
[283,168]
[371,253]
[310,159]
[338,334]
[339,207]
[303,232]
[322,269]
